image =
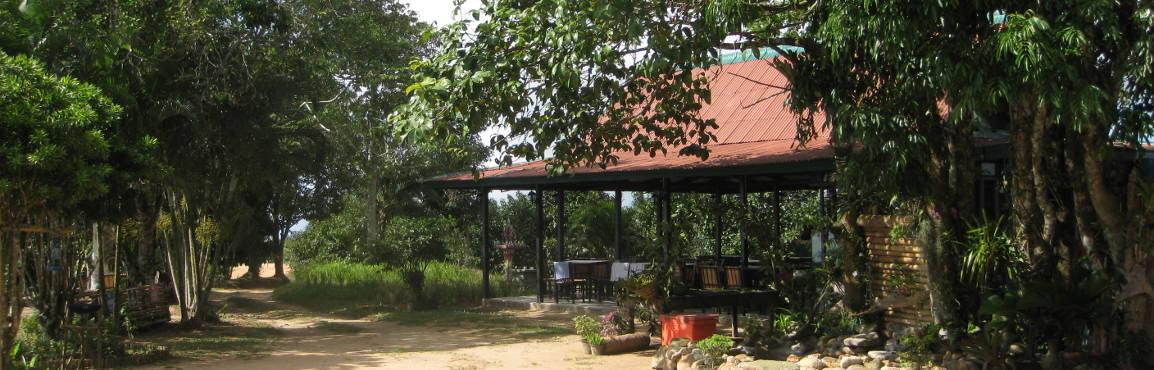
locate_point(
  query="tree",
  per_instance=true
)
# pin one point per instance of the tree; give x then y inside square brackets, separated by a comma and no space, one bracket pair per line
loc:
[905,87]
[55,156]
[219,93]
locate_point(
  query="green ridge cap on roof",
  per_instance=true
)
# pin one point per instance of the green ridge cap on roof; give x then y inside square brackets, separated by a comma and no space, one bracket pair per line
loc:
[754,54]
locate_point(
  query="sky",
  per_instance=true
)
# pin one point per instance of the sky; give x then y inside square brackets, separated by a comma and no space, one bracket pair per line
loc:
[439,12]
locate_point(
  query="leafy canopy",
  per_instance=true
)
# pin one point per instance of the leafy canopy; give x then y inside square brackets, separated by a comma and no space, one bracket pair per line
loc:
[53,151]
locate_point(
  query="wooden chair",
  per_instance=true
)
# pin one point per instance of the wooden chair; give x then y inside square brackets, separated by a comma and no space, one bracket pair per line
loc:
[734,277]
[710,277]
[599,282]
[580,275]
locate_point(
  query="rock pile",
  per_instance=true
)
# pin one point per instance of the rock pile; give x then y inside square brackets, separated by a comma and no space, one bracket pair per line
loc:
[681,354]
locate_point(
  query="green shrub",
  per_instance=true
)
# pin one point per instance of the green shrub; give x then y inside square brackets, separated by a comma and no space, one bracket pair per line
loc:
[341,283]
[715,346]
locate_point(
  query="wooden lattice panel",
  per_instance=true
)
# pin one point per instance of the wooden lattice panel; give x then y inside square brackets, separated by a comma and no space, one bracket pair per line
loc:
[889,256]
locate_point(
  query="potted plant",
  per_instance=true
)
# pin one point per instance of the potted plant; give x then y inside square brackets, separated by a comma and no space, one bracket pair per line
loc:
[600,337]
[643,284]
[590,332]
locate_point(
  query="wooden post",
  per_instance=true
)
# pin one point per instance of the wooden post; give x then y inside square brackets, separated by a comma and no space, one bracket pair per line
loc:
[617,230]
[486,243]
[537,199]
[561,219]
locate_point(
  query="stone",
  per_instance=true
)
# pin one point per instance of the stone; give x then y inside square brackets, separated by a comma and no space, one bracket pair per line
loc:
[811,362]
[891,368]
[893,345]
[1017,349]
[744,358]
[882,355]
[863,340]
[847,361]
[685,362]
[830,362]
[850,351]
[700,364]
[726,366]
[793,358]
[855,367]
[766,365]
[670,362]
[661,360]
[873,365]
[798,348]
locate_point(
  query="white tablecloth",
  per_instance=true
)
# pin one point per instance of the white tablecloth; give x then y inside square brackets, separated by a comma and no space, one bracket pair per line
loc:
[625,270]
[560,270]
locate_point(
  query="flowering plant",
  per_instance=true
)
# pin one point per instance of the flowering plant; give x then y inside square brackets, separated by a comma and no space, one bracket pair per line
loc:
[588,328]
[608,324]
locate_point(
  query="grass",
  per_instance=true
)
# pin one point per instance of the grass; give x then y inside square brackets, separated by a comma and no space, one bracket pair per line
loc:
[245,343]
[343,285]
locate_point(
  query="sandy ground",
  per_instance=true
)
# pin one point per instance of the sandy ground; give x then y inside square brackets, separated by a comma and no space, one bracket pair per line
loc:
[266,271]
[387,345]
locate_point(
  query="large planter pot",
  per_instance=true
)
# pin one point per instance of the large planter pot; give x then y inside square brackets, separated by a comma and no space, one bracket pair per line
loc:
[625,343]
[597,349]
[585,345]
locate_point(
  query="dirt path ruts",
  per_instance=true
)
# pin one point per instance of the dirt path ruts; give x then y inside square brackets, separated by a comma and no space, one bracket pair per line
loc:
[387,345]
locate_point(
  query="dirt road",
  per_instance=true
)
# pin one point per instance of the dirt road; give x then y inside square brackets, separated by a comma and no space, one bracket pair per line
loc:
[295,338]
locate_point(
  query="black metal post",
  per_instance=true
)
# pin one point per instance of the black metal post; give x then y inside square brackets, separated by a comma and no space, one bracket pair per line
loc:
[777,217]
[744,238]
[717,212]
[617,247]
[666,214]
[538,199]
[486,243]
[562,220]
[821,206]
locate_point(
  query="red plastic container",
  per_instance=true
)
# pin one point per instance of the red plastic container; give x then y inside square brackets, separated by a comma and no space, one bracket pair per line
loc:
[693,326]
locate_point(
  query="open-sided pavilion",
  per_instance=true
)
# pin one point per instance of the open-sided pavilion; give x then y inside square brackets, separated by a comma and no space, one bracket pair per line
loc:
[756,151]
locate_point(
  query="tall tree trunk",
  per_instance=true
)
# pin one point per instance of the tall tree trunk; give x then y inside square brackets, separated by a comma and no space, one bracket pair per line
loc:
[1022,190]
[852,249]
[95,264]
[278,254]
[146,264]
[372,224]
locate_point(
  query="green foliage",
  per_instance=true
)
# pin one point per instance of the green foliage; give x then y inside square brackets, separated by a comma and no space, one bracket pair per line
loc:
[588,328]
[549,71]
[903,280]
[338,284]
[991,259]
[715,346]
[920,348]
[837,323]
[411,243]
[761,332]
[1048,313]
[53,148]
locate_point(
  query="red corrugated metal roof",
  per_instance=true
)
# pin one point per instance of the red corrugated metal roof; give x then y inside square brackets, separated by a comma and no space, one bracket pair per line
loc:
[754,127]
